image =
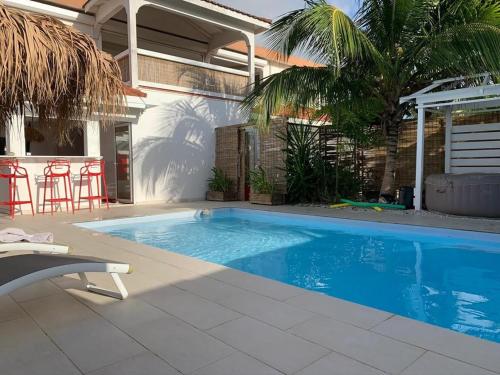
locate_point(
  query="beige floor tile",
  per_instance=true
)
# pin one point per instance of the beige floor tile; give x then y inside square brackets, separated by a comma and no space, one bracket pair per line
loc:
[123,314]
[208,288]
[194,310]
[37,290]
[465,348]
[95,343]
[86,338]
[25,349]
[57,311]
[55,363]
[365,346]
[337,364]
[268,310]
[142,364]
[359,315]
[257,284]
[9,309]
[435,364]
[140,283]
[193,265]
[270,345]
[181,345]
[237,364]
[19,331]
[68,282]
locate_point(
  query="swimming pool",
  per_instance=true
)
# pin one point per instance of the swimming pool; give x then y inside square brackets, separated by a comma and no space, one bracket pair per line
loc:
[444,277]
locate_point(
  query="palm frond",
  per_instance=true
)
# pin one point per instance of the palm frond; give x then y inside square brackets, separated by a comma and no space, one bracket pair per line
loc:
[323,32]
[465,49]
[292,89]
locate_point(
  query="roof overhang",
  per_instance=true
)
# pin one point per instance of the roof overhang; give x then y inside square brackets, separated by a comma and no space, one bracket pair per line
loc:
[230,12]
[209,8]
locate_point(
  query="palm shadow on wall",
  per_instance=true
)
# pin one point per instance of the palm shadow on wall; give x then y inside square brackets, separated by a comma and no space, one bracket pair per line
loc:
[172,162]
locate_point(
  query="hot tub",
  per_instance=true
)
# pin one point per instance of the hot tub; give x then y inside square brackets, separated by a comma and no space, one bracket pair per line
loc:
[471,194]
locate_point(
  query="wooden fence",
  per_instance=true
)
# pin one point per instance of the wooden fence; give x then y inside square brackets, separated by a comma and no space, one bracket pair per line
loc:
[368,163]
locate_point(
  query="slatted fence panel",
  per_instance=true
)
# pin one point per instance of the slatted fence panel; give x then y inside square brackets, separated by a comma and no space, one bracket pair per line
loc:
[475,148]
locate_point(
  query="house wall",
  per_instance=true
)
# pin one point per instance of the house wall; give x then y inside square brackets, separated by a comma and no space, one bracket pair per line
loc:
[274,68]
[174,142]
[174,145]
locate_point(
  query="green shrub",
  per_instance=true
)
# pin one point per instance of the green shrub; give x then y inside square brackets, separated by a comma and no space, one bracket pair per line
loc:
[260,183]
[309,177]
[219,182]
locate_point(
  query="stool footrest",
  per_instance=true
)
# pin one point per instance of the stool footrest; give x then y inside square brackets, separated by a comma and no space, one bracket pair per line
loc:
[94,197]
[14,203]
[58,200]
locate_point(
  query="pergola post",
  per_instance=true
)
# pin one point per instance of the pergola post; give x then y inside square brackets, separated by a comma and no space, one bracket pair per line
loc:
[15,136]
[447,140]
[419,175]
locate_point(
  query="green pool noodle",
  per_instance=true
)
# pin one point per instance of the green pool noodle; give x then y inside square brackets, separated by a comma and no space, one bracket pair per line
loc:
[371,205]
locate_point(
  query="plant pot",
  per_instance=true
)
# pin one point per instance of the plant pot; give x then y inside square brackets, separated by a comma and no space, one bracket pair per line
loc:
[267,199]
[221,196]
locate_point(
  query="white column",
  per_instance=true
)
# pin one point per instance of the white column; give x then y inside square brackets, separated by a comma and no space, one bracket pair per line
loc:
[250,41]
[92,138]
[447,142]
[419,176]
[131,9]
[97,33]
[15,138]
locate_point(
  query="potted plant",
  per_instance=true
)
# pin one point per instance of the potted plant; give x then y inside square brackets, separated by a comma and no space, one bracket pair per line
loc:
[220,187]
[263,190]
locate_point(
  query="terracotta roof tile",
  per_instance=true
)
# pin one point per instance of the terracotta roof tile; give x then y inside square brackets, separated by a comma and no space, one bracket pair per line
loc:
[130,91]
[268,54]
[75,4]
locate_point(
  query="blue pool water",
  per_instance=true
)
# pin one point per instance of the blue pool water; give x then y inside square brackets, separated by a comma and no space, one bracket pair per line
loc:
[443,277]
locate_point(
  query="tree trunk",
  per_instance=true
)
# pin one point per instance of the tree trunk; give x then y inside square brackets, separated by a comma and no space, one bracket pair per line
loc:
[391,147]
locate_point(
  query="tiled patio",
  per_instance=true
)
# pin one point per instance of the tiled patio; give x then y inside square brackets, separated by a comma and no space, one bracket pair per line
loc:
[186,316]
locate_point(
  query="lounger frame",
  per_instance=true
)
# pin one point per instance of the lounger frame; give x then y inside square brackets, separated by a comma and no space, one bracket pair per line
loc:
[114,269]
[37,248]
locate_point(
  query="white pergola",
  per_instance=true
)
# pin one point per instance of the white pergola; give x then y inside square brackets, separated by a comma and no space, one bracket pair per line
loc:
[468,148]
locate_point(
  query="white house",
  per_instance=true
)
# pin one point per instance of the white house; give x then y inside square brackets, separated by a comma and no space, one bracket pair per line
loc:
[188,64]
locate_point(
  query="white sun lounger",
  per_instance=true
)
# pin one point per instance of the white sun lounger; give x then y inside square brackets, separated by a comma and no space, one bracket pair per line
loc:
[50,248]
[21,270]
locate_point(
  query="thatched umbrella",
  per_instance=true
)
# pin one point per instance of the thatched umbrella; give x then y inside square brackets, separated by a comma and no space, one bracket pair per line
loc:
[54,69]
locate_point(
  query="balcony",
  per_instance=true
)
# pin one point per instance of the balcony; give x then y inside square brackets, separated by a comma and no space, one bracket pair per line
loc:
[174,73]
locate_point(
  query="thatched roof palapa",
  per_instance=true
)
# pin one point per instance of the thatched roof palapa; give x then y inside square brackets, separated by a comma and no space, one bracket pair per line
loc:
[55,70]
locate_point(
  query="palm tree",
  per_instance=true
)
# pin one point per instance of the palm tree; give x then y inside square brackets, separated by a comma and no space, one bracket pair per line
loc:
[390,49]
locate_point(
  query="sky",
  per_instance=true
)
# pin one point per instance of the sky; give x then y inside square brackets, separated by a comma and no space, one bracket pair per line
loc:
[275,8]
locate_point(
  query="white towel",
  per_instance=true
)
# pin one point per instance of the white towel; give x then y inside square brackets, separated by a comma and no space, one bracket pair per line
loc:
[19,235]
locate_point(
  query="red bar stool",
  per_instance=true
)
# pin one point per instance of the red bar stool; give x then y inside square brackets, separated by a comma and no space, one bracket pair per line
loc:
[53,172]
[91,169]
[10,169]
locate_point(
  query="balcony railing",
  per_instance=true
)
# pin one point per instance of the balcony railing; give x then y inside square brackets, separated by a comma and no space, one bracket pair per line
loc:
[177,73]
